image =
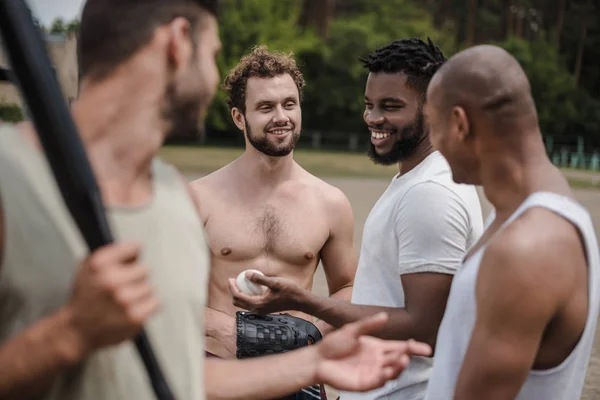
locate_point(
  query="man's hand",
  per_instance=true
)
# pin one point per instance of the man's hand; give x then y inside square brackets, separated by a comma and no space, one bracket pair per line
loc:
[345,359]
[349,360]
[111,297]
[110,300]
[281,295]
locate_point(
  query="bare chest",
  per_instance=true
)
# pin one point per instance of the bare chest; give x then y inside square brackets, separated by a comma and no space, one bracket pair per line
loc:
[291,232]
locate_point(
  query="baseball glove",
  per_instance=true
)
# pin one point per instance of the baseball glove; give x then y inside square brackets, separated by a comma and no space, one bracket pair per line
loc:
[259,335]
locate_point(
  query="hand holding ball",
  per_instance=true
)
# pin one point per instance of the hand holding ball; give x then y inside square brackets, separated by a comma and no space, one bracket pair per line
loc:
[248,287]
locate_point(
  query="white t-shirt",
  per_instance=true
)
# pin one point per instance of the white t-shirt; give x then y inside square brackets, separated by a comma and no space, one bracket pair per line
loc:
[423,222]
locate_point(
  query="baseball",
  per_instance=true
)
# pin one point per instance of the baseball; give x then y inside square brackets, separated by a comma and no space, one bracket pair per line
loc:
[247,287]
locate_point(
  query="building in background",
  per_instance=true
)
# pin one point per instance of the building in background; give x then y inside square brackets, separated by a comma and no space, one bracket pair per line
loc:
[62,49]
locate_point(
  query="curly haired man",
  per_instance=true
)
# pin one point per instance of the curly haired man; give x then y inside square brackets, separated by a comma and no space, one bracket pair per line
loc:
[265,212]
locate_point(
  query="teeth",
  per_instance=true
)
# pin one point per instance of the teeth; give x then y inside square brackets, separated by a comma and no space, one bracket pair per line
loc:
[280,131]
[380,135]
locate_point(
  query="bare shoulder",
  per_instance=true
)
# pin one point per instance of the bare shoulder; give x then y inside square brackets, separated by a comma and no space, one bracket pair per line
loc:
[333,198]
[205,191]
[538,249]
[209,183]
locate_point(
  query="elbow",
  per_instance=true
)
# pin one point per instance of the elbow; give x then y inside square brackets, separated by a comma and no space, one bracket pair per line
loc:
[426,333]
[428,339]
[431,340]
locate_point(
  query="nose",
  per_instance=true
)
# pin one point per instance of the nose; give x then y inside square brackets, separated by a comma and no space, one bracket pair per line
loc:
[280,116]
[373,116]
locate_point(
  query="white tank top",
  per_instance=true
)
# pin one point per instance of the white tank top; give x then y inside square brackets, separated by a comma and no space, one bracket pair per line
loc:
[563,382]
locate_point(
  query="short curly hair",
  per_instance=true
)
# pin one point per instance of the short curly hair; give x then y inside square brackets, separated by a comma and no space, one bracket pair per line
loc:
[260,63]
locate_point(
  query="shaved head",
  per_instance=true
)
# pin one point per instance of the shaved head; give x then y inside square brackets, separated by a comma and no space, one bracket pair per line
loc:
[479,104]
[489,84]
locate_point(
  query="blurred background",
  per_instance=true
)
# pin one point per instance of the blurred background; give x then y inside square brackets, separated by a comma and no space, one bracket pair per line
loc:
[557,42]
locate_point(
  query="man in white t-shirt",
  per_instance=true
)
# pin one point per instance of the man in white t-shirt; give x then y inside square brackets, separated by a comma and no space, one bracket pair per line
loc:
[416,234]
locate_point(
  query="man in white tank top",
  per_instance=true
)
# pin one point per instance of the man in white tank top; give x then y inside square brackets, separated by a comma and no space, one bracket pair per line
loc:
[418,231]
[148,68]
[522,311]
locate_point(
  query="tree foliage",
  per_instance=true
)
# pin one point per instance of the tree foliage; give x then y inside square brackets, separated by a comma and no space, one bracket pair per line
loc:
[556,41]
[11,112]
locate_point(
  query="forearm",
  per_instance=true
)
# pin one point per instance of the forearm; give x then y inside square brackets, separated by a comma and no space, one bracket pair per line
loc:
[31,361]
[266,377]
[400,325]
[217,324]
[344,294]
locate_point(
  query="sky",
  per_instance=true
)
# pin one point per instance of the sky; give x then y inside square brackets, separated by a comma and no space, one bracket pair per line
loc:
[47,10]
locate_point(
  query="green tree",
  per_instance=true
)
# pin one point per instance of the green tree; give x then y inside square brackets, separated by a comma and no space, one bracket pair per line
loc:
[58,26]
[551,83]
[247,23]
[336,77]
[73,26]
[11,112]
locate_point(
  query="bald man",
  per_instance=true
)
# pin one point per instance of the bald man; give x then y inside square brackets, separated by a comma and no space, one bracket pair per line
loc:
[522,310]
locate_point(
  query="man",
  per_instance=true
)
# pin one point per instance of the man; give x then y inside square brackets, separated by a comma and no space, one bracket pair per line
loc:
[523,310]
[263,211]
[416,234]
[147,69]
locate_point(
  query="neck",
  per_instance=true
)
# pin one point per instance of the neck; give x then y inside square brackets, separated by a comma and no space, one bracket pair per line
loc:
[121,126]
[511,176]
[266,169]
[424,149]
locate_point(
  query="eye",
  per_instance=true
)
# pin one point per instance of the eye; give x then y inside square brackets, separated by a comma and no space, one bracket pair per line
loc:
[390,107]
[368,106]
[290,104]
[265,108]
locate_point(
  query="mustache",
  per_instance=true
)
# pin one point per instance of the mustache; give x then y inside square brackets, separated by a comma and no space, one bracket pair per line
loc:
[382,128]
[276,127]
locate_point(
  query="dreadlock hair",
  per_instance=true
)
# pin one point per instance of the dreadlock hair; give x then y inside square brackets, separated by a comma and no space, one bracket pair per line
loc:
[416,59]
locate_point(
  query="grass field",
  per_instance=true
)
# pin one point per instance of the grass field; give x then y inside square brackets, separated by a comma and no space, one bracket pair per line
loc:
[206,159]
[320,163]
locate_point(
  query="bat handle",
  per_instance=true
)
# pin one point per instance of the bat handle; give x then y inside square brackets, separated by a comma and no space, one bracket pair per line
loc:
[159,384]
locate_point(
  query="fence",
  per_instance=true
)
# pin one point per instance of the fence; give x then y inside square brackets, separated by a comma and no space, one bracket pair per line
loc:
[570,152]
[564,151]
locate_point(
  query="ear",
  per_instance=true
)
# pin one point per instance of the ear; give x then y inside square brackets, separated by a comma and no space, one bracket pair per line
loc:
[238,118]
[180,49]
[460,123]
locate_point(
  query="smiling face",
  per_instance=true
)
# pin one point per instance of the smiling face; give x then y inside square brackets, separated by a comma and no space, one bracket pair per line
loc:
[393,114]
[273,118]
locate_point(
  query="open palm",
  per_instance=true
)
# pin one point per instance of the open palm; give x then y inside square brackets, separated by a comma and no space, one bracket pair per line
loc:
[354,362]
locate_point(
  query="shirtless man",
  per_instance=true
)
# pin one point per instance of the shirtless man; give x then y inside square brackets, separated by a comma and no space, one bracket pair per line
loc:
[263,211]
[523,310]
[66,316]
[416,234]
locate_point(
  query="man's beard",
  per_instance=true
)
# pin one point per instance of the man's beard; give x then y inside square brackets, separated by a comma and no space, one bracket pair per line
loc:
[182,113]
[263,145]
[407,141]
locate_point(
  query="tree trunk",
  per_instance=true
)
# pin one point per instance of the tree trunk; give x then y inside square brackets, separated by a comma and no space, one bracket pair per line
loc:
[317,13]
[578,61]
[441,13]
[560,19]
[471,23]
[508,19]
[519,19]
